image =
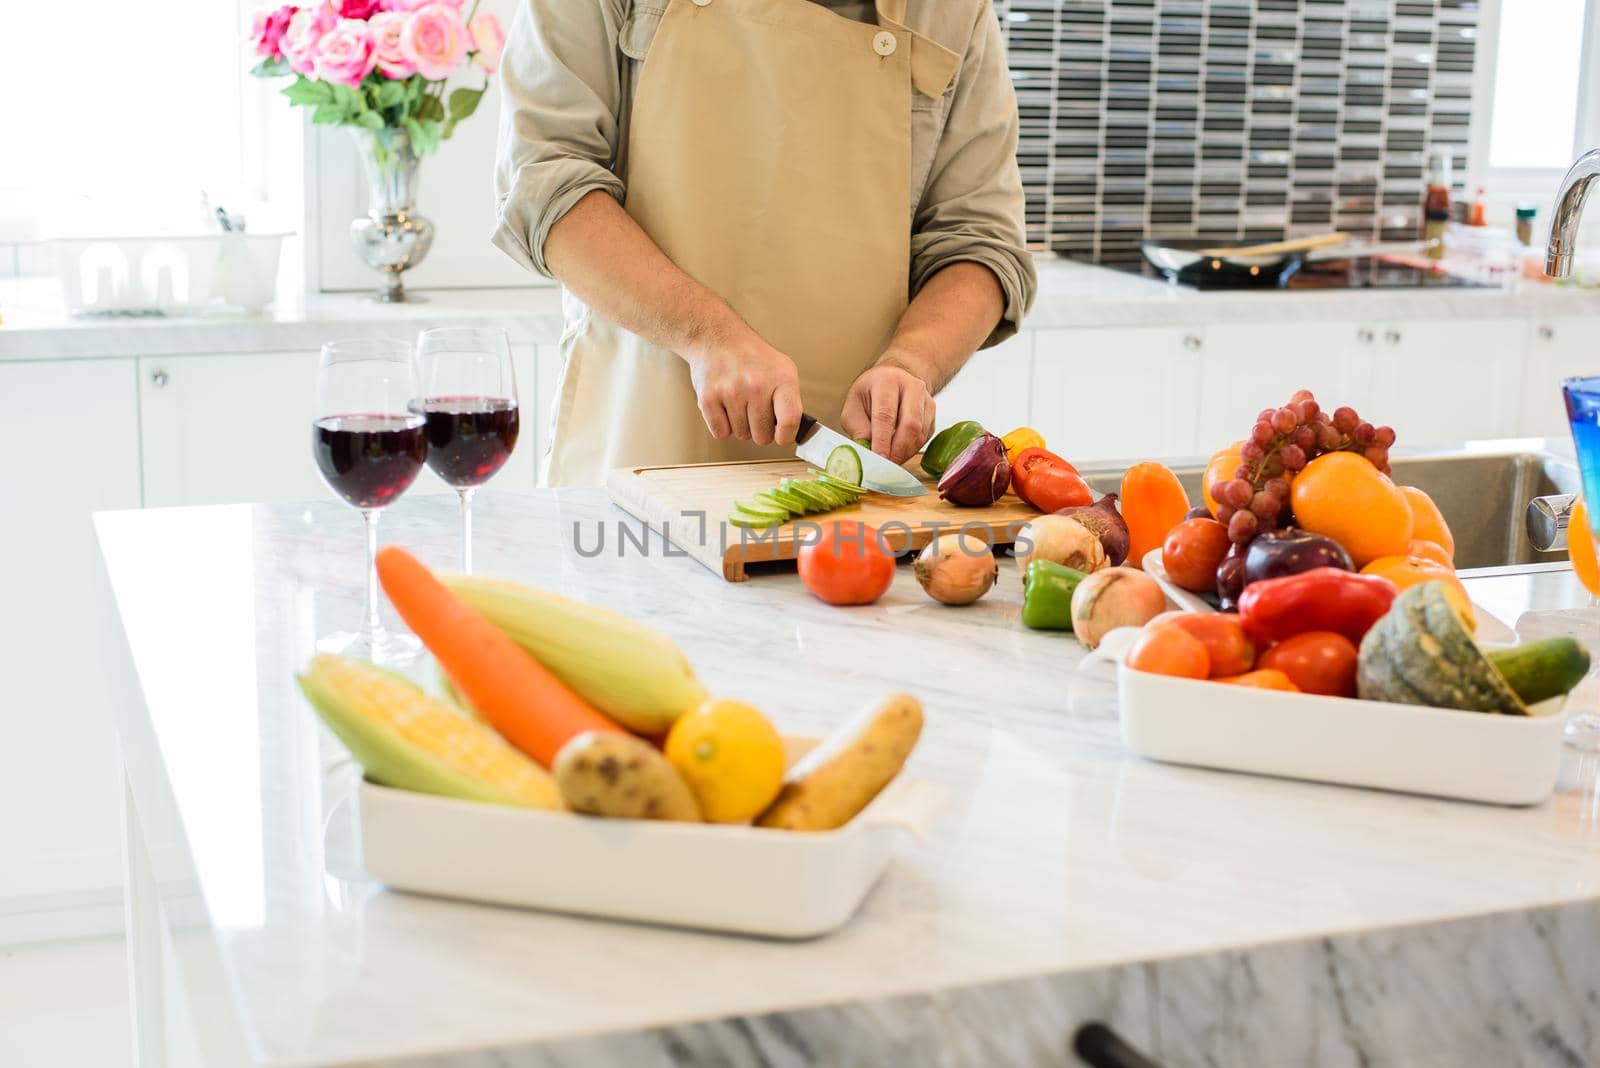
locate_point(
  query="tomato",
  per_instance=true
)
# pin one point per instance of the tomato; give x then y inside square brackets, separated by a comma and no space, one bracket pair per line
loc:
[1167,650]
[847,565]
[1263,679]
[1318,661]
[1230,650]
[1046,481]
[1192,551]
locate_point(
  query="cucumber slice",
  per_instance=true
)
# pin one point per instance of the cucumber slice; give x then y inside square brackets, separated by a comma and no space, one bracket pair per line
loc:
[852,488]
[738,519]
[771,503]
[792,499]
[817,500]
[755,511]
[844,463]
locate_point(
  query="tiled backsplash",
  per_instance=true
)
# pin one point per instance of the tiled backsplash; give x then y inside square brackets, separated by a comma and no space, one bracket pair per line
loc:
[1251,120]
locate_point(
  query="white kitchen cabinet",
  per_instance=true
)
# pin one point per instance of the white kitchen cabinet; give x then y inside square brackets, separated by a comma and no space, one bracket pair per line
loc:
[1442,382]
[1558,348]
[75,425]
[1117,393]
[1250,366]
[992,388]
[234,429]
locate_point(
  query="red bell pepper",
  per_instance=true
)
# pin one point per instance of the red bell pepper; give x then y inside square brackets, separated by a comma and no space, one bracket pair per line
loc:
[1047,482]
[1324,598]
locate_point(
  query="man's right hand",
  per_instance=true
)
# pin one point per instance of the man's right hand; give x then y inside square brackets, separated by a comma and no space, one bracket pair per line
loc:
[746,388]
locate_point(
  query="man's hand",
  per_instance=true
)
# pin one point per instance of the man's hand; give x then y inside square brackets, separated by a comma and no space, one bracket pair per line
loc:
[746,388]
[893,406]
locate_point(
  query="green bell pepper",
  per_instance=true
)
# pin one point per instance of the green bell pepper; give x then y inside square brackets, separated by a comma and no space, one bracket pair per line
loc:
[947,445]
[1047,589]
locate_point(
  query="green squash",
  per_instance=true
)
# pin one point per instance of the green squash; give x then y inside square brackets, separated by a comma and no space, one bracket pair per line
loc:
[1420,653]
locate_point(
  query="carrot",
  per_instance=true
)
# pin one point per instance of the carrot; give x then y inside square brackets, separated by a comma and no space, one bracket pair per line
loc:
[535,711]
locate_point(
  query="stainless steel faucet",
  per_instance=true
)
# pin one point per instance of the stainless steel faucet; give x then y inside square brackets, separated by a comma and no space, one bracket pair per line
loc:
[1569,212]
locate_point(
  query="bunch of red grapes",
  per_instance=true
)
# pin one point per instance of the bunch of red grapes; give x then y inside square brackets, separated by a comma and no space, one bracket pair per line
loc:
[1283,441]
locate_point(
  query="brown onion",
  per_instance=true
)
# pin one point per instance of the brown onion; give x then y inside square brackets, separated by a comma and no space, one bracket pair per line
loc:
[1061,540]
[956,568]
[1107,523]
[979,476]
[1115,597]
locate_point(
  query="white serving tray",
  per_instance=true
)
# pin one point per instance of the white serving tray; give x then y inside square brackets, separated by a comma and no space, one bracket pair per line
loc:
[747,880]
[1507,760]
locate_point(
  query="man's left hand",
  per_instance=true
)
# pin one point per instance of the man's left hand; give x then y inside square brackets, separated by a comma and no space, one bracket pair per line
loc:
[891,405]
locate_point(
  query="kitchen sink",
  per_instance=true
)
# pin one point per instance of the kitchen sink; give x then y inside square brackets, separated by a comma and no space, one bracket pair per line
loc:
[1484,497]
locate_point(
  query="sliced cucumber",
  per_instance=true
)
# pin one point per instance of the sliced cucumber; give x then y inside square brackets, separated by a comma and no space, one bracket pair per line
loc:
[752,511]
[740,519]
[844,464]
[826,479]
[792,499]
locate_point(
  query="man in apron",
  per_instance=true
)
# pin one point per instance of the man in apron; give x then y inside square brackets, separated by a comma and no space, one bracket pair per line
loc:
[759,207]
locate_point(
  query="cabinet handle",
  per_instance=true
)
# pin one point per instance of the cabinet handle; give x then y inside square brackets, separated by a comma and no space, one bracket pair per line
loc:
[158,379]
[1392,336]
[1546,332]
[1365,335]
[1191,342]
[1100,1047]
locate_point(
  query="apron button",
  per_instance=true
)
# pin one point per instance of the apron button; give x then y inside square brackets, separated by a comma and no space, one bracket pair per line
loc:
[701,3]
[884,43]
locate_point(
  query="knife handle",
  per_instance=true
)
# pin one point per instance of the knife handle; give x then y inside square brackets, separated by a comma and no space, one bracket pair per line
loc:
[803,431]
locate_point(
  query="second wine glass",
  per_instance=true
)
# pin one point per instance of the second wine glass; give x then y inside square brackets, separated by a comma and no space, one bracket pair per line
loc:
[468,401]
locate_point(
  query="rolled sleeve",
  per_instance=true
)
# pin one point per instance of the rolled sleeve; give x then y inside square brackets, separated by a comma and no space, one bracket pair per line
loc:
[562,101]
[972,207]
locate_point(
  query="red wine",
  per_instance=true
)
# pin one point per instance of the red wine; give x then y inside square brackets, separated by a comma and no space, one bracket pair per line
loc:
[369,460]
[469,438]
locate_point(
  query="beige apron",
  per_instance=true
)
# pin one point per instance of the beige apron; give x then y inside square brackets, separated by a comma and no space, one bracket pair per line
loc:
[769,158]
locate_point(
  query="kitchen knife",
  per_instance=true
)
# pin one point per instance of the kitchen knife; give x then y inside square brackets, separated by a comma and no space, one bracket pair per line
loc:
[814,443]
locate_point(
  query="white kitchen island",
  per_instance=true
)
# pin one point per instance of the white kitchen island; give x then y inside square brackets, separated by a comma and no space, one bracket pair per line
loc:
[1209,918]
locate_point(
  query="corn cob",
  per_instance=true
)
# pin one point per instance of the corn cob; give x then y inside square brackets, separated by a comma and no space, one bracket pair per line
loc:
[636,676]
[409,740]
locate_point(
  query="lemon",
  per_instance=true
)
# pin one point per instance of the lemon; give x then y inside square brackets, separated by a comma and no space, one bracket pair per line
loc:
[731,756]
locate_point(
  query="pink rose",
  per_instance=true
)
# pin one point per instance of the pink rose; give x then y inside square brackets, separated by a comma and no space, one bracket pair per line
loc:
[345,53]
[414,5]
[434,40]
[488,40]
[359,9]
[305,29]
[267,29]
[386,27]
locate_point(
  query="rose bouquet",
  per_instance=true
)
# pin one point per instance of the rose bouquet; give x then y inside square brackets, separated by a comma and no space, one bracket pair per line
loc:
[379,64]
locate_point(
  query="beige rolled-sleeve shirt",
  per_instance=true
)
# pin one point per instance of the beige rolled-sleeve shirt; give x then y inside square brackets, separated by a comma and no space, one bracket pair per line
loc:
[567,80]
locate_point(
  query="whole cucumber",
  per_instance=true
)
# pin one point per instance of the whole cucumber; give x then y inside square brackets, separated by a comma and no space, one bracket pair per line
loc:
[1543,669]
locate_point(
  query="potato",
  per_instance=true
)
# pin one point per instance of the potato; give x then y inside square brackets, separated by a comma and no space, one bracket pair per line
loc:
[837,779]
[623,777]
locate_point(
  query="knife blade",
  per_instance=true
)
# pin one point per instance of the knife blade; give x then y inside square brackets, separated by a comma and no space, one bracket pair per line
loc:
[814,443]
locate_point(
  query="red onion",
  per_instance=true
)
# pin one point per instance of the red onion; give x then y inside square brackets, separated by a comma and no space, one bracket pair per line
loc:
[979,476]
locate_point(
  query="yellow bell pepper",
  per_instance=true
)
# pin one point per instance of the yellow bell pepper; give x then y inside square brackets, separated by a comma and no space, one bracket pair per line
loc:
[1024,437]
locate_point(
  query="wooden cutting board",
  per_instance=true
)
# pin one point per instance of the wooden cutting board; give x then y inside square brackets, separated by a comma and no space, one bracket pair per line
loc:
[689,504]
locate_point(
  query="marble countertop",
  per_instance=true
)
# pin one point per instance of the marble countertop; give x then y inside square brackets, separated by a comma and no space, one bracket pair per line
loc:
[1060,855]
[1071,294]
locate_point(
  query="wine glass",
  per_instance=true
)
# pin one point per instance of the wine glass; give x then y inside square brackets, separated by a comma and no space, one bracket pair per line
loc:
[1582,397]
[468,398]
[369,447]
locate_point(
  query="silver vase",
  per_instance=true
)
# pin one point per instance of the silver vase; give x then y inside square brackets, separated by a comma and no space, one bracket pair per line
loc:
[393,237]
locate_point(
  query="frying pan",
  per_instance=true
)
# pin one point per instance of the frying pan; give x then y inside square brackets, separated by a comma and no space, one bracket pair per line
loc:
[1205,265]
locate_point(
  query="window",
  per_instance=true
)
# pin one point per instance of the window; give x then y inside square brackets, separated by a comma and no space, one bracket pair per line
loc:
[1538,64]
[117,139]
